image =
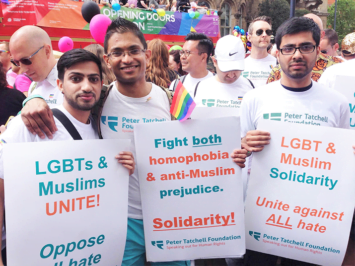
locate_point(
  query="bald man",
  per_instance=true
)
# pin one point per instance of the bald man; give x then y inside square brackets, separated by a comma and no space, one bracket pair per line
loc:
[31,50]
[323,62]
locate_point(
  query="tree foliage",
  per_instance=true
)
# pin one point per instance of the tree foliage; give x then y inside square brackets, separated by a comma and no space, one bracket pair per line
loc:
[278,10]
[301,12]
[345,22]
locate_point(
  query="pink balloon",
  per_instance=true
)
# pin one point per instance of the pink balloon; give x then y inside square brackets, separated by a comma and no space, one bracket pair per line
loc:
[98,27]
[65,44]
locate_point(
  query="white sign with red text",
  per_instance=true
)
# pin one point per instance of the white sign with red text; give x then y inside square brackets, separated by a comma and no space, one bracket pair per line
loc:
[192,191]
[300,198]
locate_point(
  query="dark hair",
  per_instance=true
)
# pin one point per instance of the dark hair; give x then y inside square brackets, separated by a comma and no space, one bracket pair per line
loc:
[121,25]
[3,82]
[296,25]
[332,36]
[261,18]
[205,44]
[176,55]
[76,56]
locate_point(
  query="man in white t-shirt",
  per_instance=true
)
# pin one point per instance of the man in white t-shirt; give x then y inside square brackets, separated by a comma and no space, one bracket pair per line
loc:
[194,57]
[259,63]
[294,99]
[80,81]
[31,49]
[227,88]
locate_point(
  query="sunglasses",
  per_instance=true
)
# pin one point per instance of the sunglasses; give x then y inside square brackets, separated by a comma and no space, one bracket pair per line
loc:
[25,61]
[346,53]
[260,32]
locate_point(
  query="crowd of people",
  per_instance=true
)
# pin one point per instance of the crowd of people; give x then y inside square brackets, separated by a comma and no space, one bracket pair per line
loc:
[168,5]
[141,78]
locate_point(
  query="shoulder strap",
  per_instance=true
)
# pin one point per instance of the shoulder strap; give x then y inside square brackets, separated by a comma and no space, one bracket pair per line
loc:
[198,83]
[67,124]
[170,99]
[97,110]
[251,83]
[182,79]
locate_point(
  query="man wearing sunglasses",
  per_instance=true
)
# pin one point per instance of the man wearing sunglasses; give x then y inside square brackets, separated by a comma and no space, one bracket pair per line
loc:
[323,61]
[329,44]
[294,99]
[259,64]
[31,50]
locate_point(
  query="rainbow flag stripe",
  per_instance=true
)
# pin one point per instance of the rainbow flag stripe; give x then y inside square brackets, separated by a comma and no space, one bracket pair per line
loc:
[183,104]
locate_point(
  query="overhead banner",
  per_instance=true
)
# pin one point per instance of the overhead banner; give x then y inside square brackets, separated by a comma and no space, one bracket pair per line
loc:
[192,191]
[300,198]
[66,204]
[345,85]
[67,14]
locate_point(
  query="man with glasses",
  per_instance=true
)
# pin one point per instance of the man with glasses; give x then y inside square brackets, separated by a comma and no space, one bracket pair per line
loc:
[259,64]
[329,44]
[129,101]
[31,50]
[194,57]
[296,95]
[323,61]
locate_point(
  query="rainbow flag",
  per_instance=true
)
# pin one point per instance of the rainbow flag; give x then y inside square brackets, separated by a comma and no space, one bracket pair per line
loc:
[183,104]
[51,96]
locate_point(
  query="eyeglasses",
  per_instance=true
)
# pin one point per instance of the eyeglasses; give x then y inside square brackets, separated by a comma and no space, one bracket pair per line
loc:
[346,53]
[132,53]
[304,49]
[261,31]
[4,51]
[25,61]
[187,53]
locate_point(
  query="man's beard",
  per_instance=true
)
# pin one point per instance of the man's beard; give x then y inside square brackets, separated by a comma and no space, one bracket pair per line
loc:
[81,107]
[297,74]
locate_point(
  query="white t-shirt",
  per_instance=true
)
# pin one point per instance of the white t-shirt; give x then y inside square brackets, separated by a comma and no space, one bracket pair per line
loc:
[258,70]
[212,93]
[48,89]
[119,115]
[318,106]
[17,133]
[190,83]
[343,69]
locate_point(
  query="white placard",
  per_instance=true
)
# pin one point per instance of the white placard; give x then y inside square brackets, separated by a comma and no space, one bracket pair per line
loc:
[191,189]
[346,86]
[66,203]
[300,198]
[216,112]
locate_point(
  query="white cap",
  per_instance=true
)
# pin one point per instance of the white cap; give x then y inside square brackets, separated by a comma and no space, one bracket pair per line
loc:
[230,53]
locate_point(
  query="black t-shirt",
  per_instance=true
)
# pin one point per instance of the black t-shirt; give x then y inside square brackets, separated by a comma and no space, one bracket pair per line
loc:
[10,103]
[139,5]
